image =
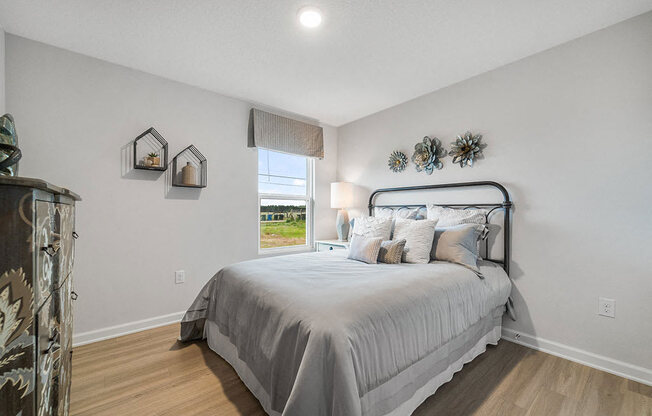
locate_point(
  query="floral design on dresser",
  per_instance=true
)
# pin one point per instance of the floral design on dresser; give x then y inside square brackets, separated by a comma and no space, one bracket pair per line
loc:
[36,259]
[16,300]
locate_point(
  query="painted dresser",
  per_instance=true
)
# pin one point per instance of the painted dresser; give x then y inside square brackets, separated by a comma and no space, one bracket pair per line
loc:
[37,233]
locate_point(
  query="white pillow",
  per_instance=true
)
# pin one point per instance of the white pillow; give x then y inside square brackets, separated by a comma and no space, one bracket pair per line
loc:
[418,236]
[371,227]
[447,217]
[403,212]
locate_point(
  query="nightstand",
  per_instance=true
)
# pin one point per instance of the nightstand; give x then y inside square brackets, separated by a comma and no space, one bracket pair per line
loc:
[326,245]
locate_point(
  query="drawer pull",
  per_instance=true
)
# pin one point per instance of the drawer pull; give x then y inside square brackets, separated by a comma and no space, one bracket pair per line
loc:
[52,249]
[75,235]
[73,295]
[53,344]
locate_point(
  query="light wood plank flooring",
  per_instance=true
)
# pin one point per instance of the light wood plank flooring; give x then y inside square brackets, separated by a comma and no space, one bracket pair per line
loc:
[150,373]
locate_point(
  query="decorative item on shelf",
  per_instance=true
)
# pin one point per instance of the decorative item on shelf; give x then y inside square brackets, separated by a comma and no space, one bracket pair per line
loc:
[153,160]
[148,148]
[342,198]
[189,168]
[397,161]
[9,152]
[427,154]
[189,174]
[467,148]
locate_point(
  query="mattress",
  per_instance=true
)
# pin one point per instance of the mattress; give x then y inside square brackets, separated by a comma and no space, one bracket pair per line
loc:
[318,334]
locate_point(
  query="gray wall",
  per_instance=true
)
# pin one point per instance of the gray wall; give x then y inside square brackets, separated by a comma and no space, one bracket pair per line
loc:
[570,134]
[75,116]
[2,71]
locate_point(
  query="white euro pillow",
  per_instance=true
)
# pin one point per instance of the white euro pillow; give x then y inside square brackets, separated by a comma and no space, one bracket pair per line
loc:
[371,227]
[447,217]
[418,236]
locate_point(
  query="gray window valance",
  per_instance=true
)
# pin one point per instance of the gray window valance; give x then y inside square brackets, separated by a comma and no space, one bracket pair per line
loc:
[282,134]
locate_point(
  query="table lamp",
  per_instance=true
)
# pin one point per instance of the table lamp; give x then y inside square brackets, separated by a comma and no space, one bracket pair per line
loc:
[342,198]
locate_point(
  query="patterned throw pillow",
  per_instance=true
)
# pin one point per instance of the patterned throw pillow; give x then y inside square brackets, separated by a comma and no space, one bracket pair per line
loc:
[447,217]
[391,251]
[370,227]
[418,236]
[365,249]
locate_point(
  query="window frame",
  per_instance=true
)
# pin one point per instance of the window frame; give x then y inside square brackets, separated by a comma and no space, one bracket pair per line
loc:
[309,200]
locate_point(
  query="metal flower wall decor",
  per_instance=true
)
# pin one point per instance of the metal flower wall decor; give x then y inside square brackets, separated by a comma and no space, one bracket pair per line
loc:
[397,161]
[427,154]
[467,148]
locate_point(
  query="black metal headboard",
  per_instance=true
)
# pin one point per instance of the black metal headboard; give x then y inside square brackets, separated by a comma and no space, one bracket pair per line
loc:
[506,206]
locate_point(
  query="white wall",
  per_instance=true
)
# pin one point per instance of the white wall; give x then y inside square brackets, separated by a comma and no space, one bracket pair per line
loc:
[75,116]
[569,133]
[2,71]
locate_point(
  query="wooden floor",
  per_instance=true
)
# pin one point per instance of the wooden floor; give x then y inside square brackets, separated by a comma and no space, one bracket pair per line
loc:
[150,373]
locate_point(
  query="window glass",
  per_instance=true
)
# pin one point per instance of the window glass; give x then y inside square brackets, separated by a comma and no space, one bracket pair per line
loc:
[282,223]
[280,173]
[284,196]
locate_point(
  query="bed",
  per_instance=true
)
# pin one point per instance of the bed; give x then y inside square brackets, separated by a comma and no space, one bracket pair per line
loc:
[319,334]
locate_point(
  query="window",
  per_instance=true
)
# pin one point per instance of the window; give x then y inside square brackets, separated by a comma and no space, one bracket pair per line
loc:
[284,200]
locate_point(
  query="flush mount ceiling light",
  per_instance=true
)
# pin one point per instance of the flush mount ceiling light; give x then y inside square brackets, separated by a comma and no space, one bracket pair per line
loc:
[310,17]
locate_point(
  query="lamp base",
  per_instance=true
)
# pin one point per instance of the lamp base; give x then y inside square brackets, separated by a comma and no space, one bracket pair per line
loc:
[342,225]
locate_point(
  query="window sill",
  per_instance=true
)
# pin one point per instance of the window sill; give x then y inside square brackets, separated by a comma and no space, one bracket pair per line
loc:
[270,252]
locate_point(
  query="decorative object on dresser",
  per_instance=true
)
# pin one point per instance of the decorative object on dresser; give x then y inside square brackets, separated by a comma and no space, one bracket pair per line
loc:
[330,245]
[342,198]
[467,148]
[427,155]
[9,152]
[193,172]
[37,235]
[397,161]
[148,148]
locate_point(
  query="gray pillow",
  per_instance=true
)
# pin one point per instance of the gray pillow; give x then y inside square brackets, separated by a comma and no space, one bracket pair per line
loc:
[458,244]
[391,251]
[365,249]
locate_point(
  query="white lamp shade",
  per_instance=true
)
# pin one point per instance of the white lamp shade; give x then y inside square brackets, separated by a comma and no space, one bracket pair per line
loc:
[341,194]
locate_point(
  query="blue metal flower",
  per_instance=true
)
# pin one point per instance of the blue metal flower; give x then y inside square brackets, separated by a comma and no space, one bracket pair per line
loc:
[467,148]
[397,161]
[427,154]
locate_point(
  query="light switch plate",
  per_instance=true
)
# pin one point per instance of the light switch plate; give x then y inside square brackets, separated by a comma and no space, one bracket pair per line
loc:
[179,276]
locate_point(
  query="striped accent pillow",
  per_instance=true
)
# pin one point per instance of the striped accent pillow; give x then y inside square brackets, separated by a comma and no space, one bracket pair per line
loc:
[391,251]
[365,249]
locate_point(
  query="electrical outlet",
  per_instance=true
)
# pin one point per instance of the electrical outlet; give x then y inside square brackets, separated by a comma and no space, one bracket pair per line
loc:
[607,307]
[179,276]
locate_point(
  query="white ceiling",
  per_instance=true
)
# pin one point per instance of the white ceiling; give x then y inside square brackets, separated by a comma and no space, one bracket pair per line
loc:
[367,55]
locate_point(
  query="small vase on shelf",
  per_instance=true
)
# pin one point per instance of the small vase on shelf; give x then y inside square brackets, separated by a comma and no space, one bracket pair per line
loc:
[189,174]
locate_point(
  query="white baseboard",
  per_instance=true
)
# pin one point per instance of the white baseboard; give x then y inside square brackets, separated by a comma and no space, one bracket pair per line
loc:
[600,362]
[125,329]
[619,368]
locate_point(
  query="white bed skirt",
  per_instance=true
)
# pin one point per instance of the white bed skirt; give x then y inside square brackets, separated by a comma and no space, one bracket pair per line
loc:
[402,394]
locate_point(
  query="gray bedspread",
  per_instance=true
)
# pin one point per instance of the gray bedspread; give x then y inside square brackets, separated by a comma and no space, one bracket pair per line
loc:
[319,331]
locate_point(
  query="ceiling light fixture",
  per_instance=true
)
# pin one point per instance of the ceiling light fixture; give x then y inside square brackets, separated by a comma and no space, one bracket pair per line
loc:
[310,17]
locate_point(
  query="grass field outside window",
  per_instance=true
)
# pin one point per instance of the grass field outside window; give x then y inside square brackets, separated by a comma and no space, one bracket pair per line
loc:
[285,200]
